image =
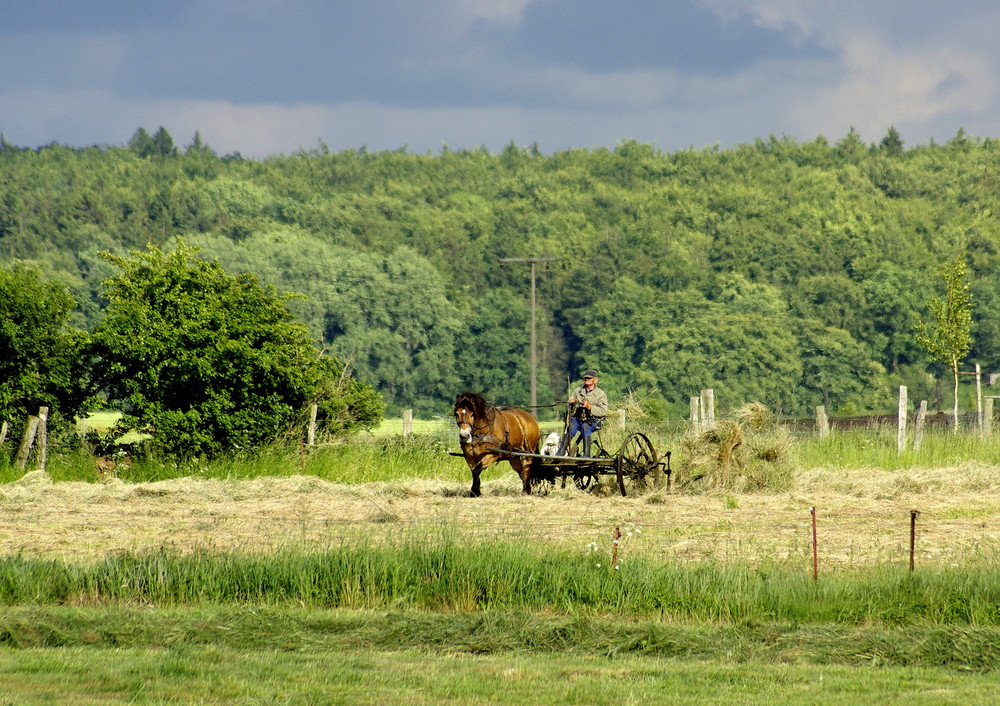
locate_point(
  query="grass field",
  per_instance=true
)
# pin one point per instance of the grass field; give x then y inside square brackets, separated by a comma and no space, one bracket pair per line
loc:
[361,573]
[289,655]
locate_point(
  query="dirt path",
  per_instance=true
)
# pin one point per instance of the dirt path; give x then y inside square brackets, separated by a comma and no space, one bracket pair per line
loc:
[863,516]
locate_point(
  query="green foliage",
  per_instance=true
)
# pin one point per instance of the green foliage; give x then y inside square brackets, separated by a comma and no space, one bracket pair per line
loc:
[390,317]
[345,404]
[837,369]
[208,362]
[742,346]
[160,144]
[823,247]
[494,357]
[42,358]
[949,338]
[892,143]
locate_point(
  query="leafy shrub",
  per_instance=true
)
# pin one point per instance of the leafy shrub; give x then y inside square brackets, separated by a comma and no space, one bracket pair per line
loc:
[209,363]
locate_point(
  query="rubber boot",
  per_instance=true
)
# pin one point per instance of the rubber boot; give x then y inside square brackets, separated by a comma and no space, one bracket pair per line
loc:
[563,445]
[586,446]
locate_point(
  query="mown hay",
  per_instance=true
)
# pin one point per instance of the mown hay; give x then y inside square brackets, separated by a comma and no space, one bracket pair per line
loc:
[864,516]
[746,453]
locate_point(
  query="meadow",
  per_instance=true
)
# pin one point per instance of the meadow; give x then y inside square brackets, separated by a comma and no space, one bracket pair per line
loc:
[361,573]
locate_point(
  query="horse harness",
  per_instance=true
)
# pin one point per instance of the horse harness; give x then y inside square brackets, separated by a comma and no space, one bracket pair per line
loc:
[489,437]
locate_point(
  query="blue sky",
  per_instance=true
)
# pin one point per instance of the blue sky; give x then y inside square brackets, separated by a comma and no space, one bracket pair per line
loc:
[272,76]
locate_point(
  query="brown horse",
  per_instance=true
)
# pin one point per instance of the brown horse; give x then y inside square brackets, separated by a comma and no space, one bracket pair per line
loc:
[488,434]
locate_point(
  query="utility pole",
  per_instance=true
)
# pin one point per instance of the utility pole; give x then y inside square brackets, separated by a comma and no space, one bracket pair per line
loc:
[534,357]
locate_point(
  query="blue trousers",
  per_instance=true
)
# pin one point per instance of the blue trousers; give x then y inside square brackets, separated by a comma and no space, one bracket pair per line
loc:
[587,428]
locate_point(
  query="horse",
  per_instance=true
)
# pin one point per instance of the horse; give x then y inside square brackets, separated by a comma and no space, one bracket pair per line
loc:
[489,434]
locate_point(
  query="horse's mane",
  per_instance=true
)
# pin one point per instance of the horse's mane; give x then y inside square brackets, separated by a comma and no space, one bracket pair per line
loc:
[475,401]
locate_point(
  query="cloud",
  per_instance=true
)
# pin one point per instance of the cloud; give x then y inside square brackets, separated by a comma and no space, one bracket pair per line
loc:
[922,66]
[500,11]
[265,76]
[883,87]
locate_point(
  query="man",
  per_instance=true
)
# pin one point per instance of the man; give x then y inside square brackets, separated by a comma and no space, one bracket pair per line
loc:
[590,408]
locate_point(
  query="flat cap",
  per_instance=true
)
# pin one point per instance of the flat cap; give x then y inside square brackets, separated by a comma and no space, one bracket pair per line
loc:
[590,373]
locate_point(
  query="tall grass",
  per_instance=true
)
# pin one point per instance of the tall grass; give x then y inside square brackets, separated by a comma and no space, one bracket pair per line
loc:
[877,448]
[387,456]
[363,459]
[221,654]
[444,572]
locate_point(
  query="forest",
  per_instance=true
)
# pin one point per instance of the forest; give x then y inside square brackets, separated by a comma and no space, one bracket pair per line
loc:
[785,272]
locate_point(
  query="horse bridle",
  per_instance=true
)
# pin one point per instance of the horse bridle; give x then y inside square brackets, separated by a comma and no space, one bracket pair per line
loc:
[473,427]
[480,431]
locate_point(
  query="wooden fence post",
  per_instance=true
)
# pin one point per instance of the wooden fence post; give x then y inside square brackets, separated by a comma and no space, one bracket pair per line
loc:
[30,429]
[708,409]
[312,425]
[43,437]
[979,398]
[695,416]
[815,545]
[407,423]
[918,431]
[988,416]
[822,422]
[901,421]
[3,432]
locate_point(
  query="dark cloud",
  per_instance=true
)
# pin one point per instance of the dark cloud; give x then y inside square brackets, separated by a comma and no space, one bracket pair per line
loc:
[399,52]
[274,73]
[601,36]
[299,51]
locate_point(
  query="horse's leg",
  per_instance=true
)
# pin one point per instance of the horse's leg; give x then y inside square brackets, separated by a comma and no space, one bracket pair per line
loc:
[523,468]
[475,492]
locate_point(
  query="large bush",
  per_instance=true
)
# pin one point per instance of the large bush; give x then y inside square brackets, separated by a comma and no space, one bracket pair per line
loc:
[207,362]
[42,360]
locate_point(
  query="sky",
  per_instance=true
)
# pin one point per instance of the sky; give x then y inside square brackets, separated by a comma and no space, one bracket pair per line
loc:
[265,77]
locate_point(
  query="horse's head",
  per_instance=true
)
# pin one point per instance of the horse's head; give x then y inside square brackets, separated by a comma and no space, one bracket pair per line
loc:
[468,408]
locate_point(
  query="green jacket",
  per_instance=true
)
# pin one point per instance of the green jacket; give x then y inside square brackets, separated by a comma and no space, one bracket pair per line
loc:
[597,398]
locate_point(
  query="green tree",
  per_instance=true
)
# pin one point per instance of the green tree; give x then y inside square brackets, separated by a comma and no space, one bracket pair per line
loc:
[387,316]
[744,357]
[851,148]
[892,143]
[986,344]
[163,143]
[837,369]
[344,403]
[141,143]
[391,317]
[893,298]
[42,359]
[199,147]
[618,330]
[205,361]
[494,358]
[949,338]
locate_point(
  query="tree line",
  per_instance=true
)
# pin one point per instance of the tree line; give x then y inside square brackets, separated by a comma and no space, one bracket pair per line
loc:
[786,272]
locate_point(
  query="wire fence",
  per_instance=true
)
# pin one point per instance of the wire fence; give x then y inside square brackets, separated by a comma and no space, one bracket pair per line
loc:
[936,421]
